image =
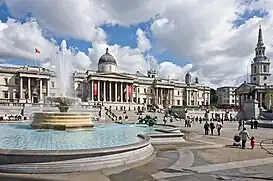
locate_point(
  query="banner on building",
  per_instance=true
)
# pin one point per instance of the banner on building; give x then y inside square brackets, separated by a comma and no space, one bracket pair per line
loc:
[129,90]
[95,89]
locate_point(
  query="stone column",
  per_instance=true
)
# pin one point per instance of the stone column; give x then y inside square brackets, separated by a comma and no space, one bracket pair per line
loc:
[116,92]
[189,94]
[92,90]
[121,92]
[98,87]
[156,95]
[261,99]
[256,96]
[172,97]
[125,92]
[136,94]
[104,91]
[110,91]
[47,88]
[29,91]
[21,87]
[41,90]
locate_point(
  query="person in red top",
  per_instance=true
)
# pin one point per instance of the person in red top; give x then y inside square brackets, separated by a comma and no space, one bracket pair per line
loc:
[252,142]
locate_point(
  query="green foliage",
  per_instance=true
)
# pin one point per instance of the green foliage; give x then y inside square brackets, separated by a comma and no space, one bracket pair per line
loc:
[148,120]
[213,97]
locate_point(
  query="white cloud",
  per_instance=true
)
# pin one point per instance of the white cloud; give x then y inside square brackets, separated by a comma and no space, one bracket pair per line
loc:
[196,30]
[142,42]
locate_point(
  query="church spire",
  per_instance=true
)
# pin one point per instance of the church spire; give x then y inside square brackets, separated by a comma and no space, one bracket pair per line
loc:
[260,37]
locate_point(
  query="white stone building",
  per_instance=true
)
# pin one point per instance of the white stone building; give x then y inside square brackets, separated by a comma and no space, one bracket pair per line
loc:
[226,96]
[31,84]
[110,87]
[259,85]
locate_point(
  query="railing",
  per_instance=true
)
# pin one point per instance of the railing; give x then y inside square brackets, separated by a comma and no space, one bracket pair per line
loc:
[110,114]
[16,104]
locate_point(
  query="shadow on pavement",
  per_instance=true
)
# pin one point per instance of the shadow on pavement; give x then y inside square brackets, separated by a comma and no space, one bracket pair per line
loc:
[21,178]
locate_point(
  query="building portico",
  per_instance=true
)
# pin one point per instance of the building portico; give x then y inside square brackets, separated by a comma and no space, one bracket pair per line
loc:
[110,87]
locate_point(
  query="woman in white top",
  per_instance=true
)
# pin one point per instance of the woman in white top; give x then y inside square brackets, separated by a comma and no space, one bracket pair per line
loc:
[219,127]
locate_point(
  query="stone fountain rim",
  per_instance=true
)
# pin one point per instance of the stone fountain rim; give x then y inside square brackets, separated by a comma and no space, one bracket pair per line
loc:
[146,140]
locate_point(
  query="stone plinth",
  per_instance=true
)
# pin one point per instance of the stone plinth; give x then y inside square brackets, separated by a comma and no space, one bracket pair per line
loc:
[61,121]
[251,109]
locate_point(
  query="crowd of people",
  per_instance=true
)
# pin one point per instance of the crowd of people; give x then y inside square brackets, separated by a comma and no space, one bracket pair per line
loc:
[216,125]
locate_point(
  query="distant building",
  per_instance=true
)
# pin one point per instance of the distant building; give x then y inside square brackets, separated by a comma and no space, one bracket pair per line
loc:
[31,84]
[226,96]
[259,87]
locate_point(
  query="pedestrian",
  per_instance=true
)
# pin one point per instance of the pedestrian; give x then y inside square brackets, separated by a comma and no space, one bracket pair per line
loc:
[206,128]
[219,126]
[255,124]
[244,135]
[251,122]
[239,124]
[212,127]
[252,142]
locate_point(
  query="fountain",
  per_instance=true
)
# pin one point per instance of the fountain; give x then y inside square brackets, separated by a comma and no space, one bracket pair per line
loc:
[62,120]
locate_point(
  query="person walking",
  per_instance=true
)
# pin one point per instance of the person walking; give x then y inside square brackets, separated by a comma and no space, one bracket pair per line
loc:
[239,124]
[244,135]
[206,128]
[212,127]
[255,124]
[251,122]
[252,142]
[219,126]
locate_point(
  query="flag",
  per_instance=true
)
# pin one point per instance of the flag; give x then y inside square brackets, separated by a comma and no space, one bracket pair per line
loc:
[95,90]
[37,51]
[129,90]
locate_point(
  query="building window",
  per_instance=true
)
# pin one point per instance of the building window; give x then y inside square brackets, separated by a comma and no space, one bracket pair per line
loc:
[79,85]
[52,84]
[6,81]
[178,93]
[144,100]
[134,89]
[254,78]
[255,69]
[17,95]
[178,102]
[6,94]
[233,101]
[144,90]
[16,81]
[265,68]
[138,90]
[151,91]
[138,100]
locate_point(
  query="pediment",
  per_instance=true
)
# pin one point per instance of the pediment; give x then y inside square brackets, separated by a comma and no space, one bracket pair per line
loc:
[112,75]
[244,88]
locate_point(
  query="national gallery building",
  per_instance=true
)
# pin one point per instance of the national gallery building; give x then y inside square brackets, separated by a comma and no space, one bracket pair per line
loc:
[29,84]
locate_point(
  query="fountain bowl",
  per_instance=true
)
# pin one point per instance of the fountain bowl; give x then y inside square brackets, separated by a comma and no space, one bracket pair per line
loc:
[61,121]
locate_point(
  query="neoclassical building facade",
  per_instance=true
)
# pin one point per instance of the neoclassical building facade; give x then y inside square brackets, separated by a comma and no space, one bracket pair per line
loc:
[110,87]
[31,84]
[259,86]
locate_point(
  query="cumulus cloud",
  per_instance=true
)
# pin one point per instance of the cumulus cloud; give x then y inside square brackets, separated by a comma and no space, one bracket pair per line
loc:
[143,43]
[201,31]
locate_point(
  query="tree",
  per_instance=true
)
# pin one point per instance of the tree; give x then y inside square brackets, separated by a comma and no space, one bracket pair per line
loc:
[268,99]
[213,97]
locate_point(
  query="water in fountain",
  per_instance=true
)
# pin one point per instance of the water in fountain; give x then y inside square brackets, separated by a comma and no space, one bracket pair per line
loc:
[64,71]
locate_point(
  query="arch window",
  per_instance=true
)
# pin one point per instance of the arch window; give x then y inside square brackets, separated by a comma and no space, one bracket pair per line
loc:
[255,69]
[264,68]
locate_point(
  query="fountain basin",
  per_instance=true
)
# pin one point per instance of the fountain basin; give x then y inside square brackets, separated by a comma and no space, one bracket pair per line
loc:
[55,161]
[61,121]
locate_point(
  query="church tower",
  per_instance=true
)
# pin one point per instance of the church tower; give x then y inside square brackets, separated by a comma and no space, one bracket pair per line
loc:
[260,67]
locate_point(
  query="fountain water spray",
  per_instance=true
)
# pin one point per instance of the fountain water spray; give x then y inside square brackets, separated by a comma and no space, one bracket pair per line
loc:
[64,71]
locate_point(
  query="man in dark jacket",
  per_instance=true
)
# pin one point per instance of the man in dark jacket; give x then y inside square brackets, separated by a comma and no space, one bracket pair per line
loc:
[206,128]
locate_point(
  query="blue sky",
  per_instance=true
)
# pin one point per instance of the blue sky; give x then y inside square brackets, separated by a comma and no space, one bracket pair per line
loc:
[124,36]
